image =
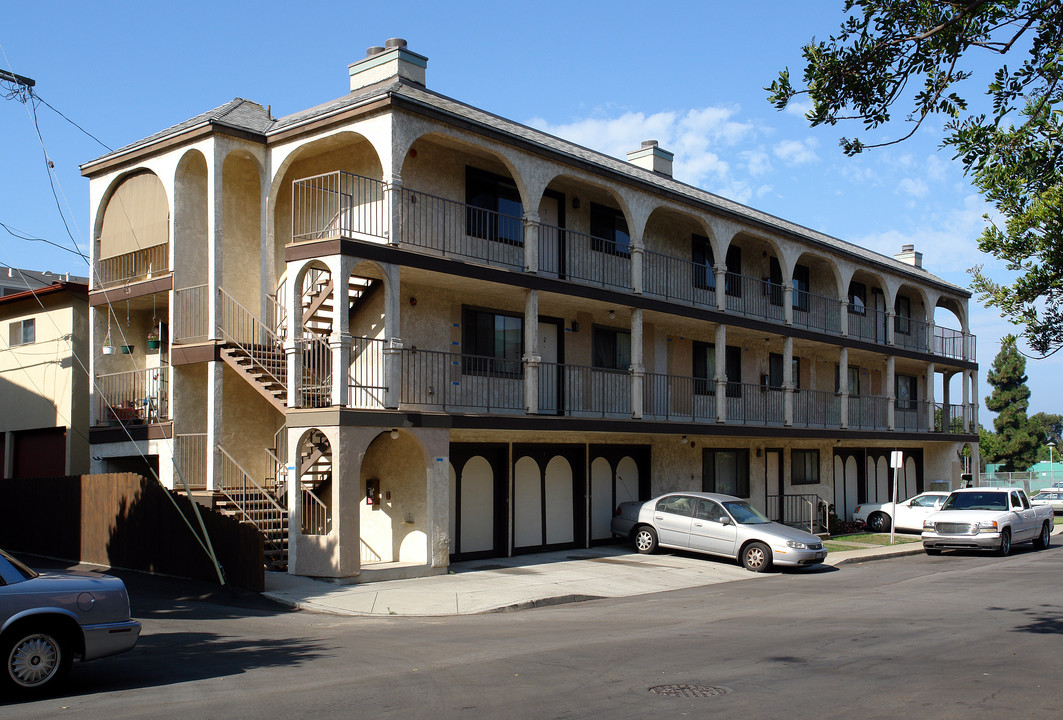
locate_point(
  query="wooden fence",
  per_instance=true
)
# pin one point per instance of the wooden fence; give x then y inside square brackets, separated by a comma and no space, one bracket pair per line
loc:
[123,520]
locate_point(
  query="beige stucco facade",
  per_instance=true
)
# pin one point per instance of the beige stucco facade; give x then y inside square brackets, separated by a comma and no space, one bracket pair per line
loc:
[422,332]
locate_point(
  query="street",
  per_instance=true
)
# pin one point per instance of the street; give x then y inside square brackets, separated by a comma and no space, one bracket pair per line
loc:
[957,636]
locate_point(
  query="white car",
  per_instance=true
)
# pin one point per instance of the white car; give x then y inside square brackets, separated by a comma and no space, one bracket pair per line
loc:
[717,525]
[1051,497]
[910,513]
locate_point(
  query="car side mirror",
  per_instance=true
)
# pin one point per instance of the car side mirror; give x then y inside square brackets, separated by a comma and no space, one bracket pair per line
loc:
[724,520]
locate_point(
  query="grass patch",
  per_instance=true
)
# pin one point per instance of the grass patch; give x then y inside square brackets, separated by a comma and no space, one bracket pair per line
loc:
[841,547]
[876,538]
[1058,520]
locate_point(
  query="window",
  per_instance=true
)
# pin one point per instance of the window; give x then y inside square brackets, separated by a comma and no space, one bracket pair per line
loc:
[702,257]
[801,287]
[906,392]
[676,505]
[854,381]
[704,368]
[725,471]
[733,283]
[22,332]
[494,341]
[775,371]
[733,368]
[611,348]
[804,467]
[609,231]
[902,308]
[709,510]
[857,298]
[773,284]
[494,209]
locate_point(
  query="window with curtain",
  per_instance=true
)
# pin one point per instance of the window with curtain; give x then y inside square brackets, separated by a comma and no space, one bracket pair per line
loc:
[725,471]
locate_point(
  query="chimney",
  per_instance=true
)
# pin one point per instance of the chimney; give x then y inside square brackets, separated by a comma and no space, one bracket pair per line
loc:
[910,256]
[652,157]
[392,61]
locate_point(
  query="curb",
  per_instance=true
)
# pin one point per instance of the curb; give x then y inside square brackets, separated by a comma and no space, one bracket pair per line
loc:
[904,552]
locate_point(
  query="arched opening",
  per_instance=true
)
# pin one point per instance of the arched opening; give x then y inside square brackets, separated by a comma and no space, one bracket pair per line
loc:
[241,220]
[393,520]
[867,307]
[755,275]
[366,307]
[133,232]
[680,258]
[816,304]
[315,484]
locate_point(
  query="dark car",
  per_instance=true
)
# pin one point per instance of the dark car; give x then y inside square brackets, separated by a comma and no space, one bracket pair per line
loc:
[47,620]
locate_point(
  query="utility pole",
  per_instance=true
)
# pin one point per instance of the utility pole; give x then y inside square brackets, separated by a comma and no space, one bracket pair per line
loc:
[17,79]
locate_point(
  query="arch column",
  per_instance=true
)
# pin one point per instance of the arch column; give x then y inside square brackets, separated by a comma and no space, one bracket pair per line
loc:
[531,358]
[531,242]
[637,369]
[340,340]
[393,197]
[890,328]
[843,387]
[294,343]
[720,271]
[788,302]
[721,372]
[392,337]
[891,394]
[788,376]
[637,259]
[967,413]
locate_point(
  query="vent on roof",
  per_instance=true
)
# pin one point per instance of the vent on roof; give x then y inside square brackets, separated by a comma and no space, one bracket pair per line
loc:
[651,157]
[394,60]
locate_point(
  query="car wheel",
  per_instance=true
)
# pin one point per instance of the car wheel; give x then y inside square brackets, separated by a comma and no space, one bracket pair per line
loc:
[756,557]
[878,522]
[1005,543]
[932,551]
[645,539]
[35,659]
[1042,540]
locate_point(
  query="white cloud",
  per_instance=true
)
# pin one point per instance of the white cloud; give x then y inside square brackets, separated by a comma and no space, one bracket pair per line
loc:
[756,161]
[913,186]
[799,107]
[797,152]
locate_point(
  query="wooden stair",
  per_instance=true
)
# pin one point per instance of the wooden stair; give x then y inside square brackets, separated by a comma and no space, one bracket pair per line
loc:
[266,370]
[252,509]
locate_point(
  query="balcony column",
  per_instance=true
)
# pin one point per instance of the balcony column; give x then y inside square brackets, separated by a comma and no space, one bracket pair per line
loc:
[393,196]
[788,383]
[966,351]
[531,351]
[843,387]
[392,335]
[637,259]
[294,345]
[788,302]
[930,402]
[946,399]
[891,394]
[843,317]
[637,369]
[720,271]
[531,243]
[340,341]
[890,327]
[967,414]
[215,243]
[215,426]
[933,346]
[721,370]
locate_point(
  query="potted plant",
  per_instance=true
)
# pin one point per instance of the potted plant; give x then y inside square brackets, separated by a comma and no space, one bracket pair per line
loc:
[153,340]
[126,349]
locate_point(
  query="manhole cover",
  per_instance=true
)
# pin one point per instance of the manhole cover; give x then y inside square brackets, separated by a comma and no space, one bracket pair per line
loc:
[690,690]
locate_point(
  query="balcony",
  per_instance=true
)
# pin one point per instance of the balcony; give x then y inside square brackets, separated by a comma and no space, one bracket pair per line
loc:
[340,204]
[134,397]
[132,267]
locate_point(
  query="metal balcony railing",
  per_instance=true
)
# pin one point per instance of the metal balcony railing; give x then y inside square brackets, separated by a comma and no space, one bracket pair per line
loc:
[191,314]
[948,418]
[461,383]
[911,415]
[676,397]
[868,412]
[339,204]
[316,387]
[817,408]
[132,266]
[583,258]
[679,280]
[817,312]
[867,323]
[749,404]
[584,391]
[190,458]
[754,298]
[911,333]
[455,229]
[132,397]
[367,385]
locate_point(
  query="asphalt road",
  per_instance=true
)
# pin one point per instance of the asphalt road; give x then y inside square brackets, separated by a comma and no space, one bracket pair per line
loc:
[957,636]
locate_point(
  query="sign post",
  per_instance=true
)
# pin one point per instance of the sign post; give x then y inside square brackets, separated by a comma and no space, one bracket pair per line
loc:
[896,462]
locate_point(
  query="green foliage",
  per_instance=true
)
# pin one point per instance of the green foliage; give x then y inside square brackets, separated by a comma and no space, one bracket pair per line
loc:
[914,54]
[1051,428]
[1017,439]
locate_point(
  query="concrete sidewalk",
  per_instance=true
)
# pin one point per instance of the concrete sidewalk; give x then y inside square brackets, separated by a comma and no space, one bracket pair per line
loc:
[525,581]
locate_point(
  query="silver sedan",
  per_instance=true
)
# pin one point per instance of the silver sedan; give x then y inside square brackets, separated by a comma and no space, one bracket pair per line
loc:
[717,525]
[48,620]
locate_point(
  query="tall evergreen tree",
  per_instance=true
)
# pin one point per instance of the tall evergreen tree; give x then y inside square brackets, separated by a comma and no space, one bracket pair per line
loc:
[1018,440]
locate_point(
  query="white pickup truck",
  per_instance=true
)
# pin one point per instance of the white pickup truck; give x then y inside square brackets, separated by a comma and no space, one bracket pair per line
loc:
[986,518]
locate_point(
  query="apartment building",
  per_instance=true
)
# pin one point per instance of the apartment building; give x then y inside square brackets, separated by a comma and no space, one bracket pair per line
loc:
[44,386]
[404,330]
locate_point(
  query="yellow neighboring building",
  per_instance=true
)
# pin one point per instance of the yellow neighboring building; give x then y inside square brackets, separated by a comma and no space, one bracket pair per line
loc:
[44,388]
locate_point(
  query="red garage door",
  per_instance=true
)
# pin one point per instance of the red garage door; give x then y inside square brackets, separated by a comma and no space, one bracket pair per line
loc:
[39,453]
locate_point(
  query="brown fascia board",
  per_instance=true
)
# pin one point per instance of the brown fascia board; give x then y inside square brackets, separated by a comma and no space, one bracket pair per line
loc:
[53,289]
[140,152]
[309,126]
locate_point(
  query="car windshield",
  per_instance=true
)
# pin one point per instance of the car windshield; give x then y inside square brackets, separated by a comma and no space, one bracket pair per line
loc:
[745,513]
[12,571]
[976,501]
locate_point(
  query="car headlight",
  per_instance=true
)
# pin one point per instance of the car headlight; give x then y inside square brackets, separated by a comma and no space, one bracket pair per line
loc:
[987,526]
[796,545]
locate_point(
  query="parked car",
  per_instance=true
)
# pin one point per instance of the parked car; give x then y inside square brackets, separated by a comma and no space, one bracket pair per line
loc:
[1051,498]
[910,512]
[987,518]
[49,619]
[717,525]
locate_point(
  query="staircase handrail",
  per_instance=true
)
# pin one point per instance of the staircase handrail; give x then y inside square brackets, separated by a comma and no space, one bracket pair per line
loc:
[318,509]
[259,329]
[248,479]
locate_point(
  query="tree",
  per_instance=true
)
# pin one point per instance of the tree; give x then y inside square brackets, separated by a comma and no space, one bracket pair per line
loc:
[1018,440]
[1051,428]
[914,54]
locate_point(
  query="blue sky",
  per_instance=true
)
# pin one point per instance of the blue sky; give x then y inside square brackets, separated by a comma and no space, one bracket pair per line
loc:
[689,74]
